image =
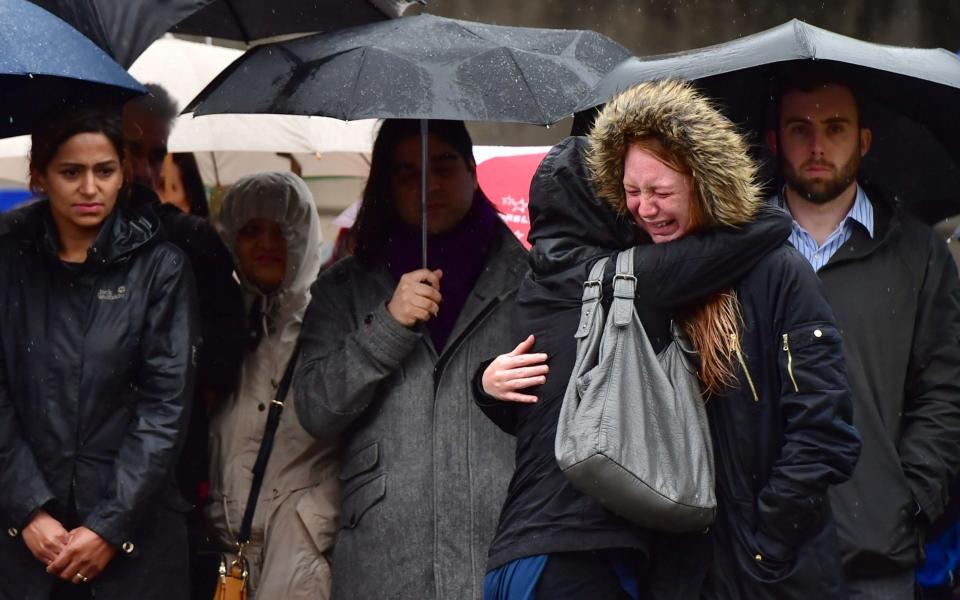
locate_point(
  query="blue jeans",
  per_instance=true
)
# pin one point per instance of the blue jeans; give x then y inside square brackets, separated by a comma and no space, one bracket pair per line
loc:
[569,575]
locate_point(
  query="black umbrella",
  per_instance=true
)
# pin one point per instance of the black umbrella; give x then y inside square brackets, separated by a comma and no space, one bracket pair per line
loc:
[910,96]
[124,28]
[248,20]
[422,67]
[46,65]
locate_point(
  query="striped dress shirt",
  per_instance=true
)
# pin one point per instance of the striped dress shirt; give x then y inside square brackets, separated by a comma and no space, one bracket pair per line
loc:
[818,255]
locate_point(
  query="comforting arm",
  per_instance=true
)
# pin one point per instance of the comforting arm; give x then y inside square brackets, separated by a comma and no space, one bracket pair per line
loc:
[680,272]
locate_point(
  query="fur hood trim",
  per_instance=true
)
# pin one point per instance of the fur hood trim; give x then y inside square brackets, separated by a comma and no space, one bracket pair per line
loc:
[685,122]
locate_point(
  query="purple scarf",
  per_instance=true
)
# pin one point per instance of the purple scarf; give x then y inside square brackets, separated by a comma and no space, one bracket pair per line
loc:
[460,253]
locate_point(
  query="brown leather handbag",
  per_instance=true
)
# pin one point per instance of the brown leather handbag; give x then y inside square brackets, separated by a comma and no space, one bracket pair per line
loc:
[232,582]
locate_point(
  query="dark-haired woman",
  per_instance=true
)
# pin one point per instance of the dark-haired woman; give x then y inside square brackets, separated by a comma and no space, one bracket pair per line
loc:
[97,345]
[388,348]
[182,185]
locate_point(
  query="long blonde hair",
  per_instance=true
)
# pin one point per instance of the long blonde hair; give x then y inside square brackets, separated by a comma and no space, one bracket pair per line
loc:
[713,327]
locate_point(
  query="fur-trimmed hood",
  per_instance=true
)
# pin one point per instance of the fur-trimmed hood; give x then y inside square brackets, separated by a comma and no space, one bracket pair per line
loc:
[686,122]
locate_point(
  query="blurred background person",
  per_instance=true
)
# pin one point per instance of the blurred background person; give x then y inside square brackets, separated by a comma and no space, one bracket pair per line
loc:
[147,121]
[182,186]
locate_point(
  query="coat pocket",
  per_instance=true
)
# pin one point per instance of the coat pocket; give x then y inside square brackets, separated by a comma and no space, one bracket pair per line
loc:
[361,487]
[812,570]
[807,357]
[360,499]
[360,462]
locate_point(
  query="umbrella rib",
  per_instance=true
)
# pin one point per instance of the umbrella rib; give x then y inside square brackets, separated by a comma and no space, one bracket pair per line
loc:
[236,17]
[526,83]
[356,82]
[804,39]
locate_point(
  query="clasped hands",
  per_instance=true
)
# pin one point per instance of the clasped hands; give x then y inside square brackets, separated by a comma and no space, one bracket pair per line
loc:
[78,556]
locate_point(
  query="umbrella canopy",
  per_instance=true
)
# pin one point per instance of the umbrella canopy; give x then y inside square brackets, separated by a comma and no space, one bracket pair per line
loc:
[125,28]
[248,20]
[47,65]
[122,28]
[909,95]
[422,67]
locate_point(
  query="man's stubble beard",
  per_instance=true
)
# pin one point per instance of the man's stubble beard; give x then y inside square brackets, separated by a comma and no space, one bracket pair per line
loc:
[823,190]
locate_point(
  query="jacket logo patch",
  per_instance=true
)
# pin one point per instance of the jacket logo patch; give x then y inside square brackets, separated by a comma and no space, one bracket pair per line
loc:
[119,294]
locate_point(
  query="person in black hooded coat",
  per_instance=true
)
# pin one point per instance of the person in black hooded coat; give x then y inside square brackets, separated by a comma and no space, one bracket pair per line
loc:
[98,340]
[781,435]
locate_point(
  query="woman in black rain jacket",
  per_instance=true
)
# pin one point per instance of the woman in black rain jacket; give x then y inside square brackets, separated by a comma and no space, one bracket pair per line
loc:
[97,352]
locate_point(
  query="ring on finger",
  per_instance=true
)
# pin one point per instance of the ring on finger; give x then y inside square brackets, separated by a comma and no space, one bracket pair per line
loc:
[81,577]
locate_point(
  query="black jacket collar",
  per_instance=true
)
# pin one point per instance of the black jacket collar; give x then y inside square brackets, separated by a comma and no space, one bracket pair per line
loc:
[130,226]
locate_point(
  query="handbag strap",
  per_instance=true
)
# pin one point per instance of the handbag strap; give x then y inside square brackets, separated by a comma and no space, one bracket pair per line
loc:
[266,446]
[624,289]
[592,292]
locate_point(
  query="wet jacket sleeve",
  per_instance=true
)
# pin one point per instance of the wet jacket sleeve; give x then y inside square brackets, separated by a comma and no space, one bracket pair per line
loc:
[342,363]
[930,438]
[23,490]
[219,302]
[164,385]
[683,271]
[819,447]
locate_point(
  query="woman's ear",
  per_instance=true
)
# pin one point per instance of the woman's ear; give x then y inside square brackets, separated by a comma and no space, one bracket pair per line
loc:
[38,183]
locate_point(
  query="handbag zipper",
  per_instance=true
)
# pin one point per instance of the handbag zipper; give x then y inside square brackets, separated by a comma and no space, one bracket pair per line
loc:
[743,365]
[786,348]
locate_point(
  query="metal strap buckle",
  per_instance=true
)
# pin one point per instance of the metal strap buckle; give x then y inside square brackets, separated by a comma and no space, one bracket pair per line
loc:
[589,294]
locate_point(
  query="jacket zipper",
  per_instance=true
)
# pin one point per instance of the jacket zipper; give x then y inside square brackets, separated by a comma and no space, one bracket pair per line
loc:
[438,369]
[743,365]
[786,348]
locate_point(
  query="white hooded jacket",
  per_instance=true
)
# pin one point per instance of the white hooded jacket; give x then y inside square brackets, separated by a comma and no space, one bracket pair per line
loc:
[295,520]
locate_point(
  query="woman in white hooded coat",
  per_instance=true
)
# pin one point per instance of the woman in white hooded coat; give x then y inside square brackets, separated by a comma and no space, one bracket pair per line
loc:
[271,226]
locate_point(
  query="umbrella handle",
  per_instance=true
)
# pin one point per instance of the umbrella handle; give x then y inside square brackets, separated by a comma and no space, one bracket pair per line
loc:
[423,189]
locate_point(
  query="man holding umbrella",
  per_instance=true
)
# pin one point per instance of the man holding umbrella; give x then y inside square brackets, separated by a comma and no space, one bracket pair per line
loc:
[388,354]
[896,297]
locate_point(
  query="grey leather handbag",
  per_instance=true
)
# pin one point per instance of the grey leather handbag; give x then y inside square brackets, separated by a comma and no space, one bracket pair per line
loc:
[633,429]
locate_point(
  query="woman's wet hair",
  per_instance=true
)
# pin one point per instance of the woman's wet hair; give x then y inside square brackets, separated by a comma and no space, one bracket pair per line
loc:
[377,216]
[54,131]
[192,183]
[667,119]
[711,326]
